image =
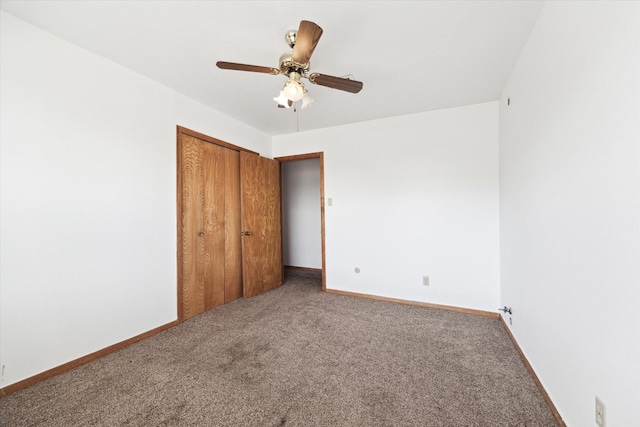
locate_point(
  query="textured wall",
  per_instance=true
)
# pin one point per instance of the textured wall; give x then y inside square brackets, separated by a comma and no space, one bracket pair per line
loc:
[412,196]
[570,206]
[88,199]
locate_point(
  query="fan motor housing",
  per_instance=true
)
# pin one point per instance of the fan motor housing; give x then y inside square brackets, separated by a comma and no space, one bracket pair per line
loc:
[288,65]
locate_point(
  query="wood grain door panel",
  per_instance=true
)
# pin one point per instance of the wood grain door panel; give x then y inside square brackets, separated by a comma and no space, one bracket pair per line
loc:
[224,190]
[210,259]
[233,258]
[192,221]
[250,222]
[260,213]
[214,225]
[273,226]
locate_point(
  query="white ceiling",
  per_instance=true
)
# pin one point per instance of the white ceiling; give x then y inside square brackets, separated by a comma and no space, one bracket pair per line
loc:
[412,56]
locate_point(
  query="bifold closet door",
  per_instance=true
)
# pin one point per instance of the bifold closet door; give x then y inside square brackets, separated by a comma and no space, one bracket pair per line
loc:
[211,269]
[261,224]
[232,240]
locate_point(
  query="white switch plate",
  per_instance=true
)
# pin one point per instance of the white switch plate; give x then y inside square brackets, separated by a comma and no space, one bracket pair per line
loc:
[329,201]
[425,280]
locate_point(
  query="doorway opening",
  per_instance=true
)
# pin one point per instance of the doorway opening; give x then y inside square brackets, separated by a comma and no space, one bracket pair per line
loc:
[303,213]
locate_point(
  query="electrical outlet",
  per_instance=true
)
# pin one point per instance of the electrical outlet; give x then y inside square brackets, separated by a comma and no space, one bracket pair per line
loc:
[600,414]
[425,280]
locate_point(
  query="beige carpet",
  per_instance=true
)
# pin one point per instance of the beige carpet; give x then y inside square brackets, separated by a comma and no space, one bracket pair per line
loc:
[299,357]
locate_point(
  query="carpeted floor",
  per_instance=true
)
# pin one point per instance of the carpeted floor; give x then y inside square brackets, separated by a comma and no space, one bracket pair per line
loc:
[297,356]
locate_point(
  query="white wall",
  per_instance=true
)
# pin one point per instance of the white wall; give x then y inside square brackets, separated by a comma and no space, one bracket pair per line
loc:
[301,222]
[570,207]
[87,200]
[413,195]
[87,203]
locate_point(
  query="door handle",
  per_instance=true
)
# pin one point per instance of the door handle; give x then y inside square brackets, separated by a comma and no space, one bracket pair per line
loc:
[201,234]
[245,233]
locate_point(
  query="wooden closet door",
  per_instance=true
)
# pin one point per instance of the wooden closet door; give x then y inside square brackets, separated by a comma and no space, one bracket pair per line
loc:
[233,249]
[210,223]
[261,225]
[192,220]
[213,257]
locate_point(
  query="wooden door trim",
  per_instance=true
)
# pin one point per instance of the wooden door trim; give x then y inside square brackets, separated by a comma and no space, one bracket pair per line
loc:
[179,229]
[212,140]
[299,157]
[318,155]
[180,131]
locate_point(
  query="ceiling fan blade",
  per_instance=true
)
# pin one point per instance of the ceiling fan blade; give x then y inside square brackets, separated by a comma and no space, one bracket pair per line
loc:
[245,67]
[339,83]
[306,41]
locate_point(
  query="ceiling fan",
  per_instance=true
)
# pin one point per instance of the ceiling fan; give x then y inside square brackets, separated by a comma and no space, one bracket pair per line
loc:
[295,65]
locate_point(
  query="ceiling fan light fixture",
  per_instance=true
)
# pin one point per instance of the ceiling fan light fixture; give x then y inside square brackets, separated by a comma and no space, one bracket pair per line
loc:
[282,100]
[294,89]
[296,64]
[306,100]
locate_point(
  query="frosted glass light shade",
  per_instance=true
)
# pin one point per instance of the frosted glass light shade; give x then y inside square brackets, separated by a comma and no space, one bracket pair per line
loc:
[293,90]
[282,100]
